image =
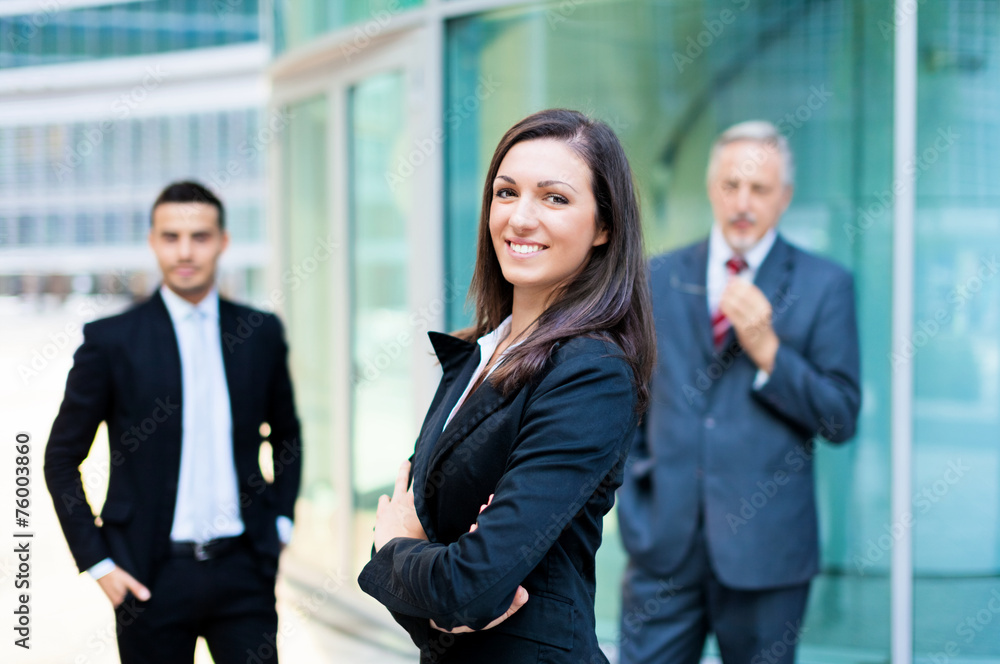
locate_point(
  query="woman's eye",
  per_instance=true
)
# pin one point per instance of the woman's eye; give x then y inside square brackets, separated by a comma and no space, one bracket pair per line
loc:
[556,198]
[506,192]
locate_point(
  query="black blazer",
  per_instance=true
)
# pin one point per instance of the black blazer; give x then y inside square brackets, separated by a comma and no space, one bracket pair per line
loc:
[553,454]
[127,373]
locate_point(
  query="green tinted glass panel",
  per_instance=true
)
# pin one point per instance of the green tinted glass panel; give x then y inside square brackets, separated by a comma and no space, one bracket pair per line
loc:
[955,347]
[382,396]
[299,21]
[306,280]
[51,35]
[668,76]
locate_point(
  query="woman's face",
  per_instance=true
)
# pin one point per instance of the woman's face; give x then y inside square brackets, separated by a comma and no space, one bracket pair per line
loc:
[543,217]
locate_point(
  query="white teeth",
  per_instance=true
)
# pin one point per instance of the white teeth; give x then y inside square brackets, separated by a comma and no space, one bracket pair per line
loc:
[526,248]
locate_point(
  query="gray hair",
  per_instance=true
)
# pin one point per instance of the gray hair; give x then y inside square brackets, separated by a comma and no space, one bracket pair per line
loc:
[758,131]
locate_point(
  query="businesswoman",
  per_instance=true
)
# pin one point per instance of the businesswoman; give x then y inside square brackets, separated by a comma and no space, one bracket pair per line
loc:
[537,408]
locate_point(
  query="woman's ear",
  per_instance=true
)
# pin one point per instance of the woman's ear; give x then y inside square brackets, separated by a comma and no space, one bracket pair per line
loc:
[602,237]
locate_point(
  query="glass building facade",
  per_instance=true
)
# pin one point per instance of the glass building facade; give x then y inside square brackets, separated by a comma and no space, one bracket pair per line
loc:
[380,179]
[53,34]
[104,103]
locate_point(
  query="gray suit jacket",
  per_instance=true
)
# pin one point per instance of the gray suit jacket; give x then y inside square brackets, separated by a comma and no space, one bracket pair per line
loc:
[714,448]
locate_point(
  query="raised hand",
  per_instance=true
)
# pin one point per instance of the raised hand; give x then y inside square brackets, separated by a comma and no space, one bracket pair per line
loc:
[396,516]
[749,311]
[473,527]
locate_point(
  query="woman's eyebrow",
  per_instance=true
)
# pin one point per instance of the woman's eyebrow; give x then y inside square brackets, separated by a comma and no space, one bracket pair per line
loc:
[549,183]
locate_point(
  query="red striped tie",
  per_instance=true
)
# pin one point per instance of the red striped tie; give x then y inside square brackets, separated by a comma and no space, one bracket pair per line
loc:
[721,324]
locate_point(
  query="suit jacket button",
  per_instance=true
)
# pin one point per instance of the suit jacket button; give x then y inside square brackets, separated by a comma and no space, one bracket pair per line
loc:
[709,422]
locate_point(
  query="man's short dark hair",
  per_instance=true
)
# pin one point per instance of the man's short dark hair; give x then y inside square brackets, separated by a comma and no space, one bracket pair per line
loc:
[189,191]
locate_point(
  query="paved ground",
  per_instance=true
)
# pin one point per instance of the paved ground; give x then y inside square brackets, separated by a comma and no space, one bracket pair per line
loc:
[71,620]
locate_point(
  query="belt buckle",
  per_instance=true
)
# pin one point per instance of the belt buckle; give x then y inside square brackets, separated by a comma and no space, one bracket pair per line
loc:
[200,552]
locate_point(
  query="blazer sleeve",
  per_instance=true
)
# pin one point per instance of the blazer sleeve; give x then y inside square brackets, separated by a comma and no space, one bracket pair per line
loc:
[819,390]
[285,431]
[575,432]
[87,402]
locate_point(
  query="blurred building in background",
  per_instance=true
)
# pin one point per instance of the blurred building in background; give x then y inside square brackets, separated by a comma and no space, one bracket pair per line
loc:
[103,103]
[396,107]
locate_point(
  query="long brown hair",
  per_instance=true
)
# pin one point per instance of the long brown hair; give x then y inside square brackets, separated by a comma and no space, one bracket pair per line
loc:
[609,298]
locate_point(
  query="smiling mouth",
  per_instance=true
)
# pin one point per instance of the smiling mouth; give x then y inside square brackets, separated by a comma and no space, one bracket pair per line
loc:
[525,249]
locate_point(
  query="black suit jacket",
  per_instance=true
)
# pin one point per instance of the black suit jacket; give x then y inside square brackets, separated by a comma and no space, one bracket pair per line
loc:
[127,373]
[552,453]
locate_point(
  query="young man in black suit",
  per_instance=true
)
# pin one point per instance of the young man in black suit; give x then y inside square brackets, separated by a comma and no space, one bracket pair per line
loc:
[188,540]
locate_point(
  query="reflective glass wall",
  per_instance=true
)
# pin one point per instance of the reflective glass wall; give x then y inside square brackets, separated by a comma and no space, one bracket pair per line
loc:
[296,22]
[53,35]
[668,76]
[955,346]
[92,183]
[381,336]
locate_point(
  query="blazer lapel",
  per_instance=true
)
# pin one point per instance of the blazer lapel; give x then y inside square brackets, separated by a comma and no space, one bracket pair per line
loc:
[482,403]
[459,360]
[164,354]
[233,359]
[774,273]
[691,278]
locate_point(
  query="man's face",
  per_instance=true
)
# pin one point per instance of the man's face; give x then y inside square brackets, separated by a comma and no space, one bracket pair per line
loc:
[746,191]
[187,241]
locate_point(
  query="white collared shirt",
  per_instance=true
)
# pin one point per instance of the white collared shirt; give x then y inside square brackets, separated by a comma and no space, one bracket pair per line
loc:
[206,437]
[718,276]
[487,346]
[719,252]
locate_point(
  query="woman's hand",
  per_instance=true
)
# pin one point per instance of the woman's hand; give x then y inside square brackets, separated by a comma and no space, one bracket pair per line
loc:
[473,527]
[520,599]
[396,516]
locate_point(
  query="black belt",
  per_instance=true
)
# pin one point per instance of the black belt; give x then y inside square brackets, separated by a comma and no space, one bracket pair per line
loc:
[206,550]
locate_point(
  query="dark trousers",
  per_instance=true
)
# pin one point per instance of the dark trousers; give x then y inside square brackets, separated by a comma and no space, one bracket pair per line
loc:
[228,600]
[666,621]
